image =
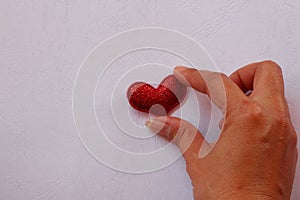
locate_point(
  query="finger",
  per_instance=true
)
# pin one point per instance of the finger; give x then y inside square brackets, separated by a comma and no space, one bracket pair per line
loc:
[186,137]
[264,78]
[221,90]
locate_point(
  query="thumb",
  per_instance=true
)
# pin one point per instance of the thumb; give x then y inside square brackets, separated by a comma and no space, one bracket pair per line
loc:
[186,137]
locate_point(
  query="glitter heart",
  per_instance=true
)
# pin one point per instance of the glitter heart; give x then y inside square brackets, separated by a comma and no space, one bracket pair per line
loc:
[145,98]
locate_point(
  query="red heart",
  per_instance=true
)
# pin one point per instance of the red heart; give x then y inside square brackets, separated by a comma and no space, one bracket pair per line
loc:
[169,94]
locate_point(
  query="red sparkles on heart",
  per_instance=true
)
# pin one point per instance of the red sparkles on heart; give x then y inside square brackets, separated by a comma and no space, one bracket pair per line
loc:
[144,97]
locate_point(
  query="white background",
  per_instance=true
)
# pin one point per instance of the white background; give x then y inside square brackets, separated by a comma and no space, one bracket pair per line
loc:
[43,43]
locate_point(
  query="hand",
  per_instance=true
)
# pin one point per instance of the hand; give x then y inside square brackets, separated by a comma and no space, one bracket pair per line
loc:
[256,154]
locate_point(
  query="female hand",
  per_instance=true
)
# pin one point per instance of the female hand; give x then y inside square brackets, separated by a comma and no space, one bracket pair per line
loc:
[256,154]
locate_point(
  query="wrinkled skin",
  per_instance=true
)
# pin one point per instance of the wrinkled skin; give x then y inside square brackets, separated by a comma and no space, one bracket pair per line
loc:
[256,154]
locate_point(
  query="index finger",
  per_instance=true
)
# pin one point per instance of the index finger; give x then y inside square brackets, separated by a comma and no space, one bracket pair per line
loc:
[263,78]
[223,92]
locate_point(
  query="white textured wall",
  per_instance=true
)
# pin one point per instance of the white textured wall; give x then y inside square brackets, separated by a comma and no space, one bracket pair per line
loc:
[42,44]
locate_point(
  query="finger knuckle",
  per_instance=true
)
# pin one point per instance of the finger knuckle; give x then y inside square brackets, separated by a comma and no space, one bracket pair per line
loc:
[268,127]
[270,64]
[281,120]
[183,130]
[185,136]
[251,111]
[280,126]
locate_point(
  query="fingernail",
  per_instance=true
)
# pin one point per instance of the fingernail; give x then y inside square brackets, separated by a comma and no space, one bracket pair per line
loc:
[154,124]
[158,125]
[148,122]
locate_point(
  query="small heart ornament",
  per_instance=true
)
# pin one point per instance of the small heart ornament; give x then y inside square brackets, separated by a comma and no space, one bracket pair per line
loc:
[158,101]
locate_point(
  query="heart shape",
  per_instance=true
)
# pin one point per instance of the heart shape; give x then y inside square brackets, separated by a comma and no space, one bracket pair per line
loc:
[145,98]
